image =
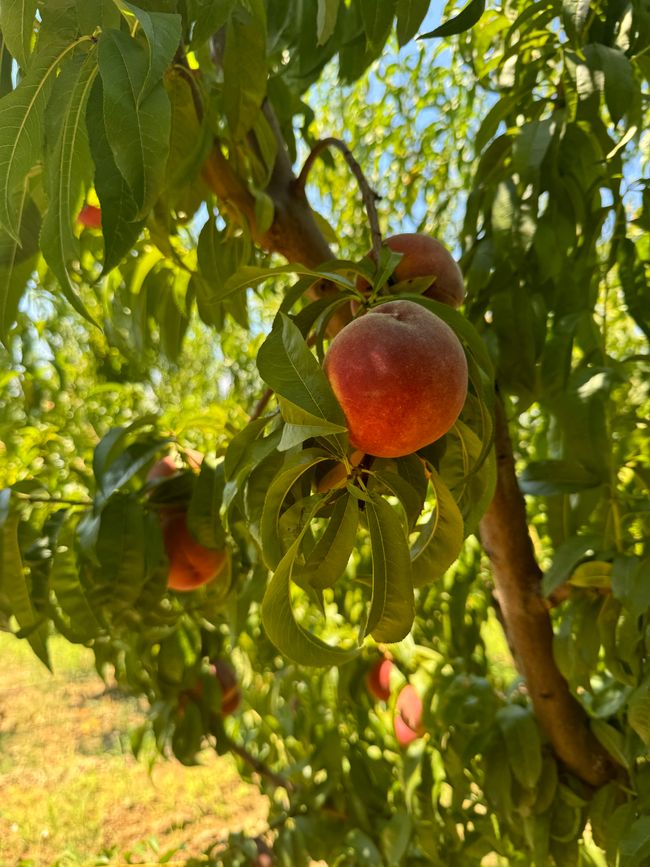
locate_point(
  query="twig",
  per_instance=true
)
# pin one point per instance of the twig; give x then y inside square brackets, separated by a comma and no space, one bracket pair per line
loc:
[36,498]
[369,196]
[260,767]
[261,404]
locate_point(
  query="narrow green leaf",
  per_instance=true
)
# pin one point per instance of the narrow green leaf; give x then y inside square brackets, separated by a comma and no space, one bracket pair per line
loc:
[69,590]
[162,31]
[567,557]
[392,607]
[410,15]
[220,256]
[329,557]
[301,425]
[634,844]
[631,583]
[545,478]
[328,11]
[495,116]
[208,17]
[17,23]
[21,133]
[621,88]
[638,712]
[67,170]
[203,513]
[244,67]
[238,454]
[411,499]
[465,20]
[593,573]
[137,129]
[440,539]
[523,742]
[612,739]
[292,371]
[574,15]
[121,552]
[377,21]
[293,468]
[14,586]
[120,229]
[279,621]
[17,262]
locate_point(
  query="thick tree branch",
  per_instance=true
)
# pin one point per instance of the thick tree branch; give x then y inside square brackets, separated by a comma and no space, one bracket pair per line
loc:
[517,577]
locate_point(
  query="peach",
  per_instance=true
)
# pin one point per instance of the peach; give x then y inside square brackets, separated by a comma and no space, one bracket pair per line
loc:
[90,216]
[378,679]
[190,564]
[408,716]
[400,375]
[424,256]
[230,691]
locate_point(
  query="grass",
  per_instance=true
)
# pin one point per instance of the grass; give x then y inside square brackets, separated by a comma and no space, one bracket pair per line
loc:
[70,788]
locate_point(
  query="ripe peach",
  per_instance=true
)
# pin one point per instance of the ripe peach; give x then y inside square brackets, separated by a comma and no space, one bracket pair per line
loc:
[90,216]
[190,563]
[378,679]
[408,716]
[230,691]
[163,469]
[400,375]
[424,256]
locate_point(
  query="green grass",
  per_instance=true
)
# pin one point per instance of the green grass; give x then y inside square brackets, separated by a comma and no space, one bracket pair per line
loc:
[70,787]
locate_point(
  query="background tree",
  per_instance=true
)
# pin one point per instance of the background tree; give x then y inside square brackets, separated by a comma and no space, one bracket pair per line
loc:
[514,133]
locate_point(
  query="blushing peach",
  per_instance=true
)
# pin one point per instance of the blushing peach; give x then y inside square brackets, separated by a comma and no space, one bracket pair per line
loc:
[400,375]
[378,679]
[408,716]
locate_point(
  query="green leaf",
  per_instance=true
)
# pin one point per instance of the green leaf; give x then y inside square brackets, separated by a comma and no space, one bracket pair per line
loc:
[574,15]
[593,573]
[631,583]
[67,169]
[219,256]
[531,145]
[208,17]
[523,743]
[545,478]
[328,11]
[567,557]
[13,584]
[329,557]
[69,590]
[21,134]
[163,34]
[410,15]
[412,500]
[17,23]
[301,425]
[621,88]
[495,116]
[377,21]
[17,262]
[392,607]
[279,621]
[292,371]
[294,467]
[121,553]
[137,129]
[634,844]
[465,20]
[203,512]
[612,739]
[120,229]
[440,539]
[638,712]
[238,457]
[244,67]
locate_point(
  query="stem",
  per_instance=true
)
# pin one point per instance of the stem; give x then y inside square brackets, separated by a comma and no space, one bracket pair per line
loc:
[260,767]
[369,196]
[526,619]
[37,498]
[261,404]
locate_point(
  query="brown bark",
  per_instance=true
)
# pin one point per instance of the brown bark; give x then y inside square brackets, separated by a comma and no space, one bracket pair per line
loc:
[517,577]
[504,528]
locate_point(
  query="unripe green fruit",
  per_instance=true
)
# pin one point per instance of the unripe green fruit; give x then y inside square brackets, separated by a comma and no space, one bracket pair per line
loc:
[400,375]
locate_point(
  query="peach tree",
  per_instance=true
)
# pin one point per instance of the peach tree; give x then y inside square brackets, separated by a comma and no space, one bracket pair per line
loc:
[426,653]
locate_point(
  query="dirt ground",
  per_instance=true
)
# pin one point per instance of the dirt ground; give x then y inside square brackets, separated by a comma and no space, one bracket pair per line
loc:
[71,791]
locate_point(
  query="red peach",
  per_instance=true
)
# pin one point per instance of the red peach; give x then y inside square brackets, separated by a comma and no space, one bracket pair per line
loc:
[408,716]
[90,216]
[400,375]
[424,256]
[378,679]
